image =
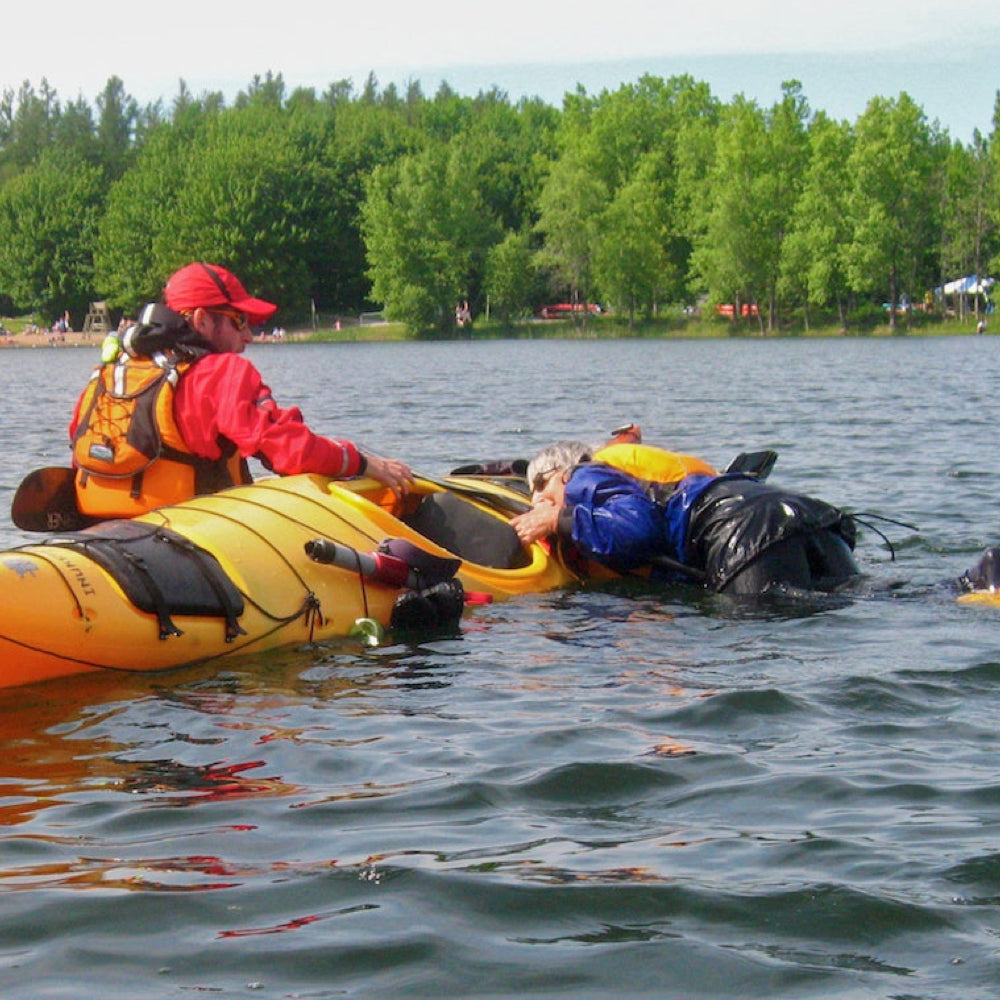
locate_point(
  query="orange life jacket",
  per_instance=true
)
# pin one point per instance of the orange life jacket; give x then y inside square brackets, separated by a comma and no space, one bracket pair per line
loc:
[128,451]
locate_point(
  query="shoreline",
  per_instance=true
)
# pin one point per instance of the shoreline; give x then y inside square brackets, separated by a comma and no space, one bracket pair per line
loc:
[20,341]
[555,331]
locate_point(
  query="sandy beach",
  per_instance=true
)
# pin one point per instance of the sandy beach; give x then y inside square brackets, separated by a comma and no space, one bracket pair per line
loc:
[46,338]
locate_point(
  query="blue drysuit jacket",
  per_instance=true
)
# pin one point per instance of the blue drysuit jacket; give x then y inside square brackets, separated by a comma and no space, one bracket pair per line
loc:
[613,520]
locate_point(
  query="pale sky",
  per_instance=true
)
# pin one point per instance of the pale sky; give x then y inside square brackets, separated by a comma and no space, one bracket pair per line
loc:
[220,45]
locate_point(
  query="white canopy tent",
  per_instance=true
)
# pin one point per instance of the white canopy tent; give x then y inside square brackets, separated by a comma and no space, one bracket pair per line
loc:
[972,285]
[966,295]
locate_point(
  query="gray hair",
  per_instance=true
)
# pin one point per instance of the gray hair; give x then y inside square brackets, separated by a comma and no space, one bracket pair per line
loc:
[561,455]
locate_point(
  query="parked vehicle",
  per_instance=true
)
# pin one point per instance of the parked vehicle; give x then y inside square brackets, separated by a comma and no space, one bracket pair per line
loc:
[747,309]
[560,310]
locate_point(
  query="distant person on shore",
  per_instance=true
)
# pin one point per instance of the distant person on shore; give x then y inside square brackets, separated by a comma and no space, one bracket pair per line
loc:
[178,409]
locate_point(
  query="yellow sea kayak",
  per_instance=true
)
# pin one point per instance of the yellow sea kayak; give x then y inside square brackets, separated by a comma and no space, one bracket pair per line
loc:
[229,574]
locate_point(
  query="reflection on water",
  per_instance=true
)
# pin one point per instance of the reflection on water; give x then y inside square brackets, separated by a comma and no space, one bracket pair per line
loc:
[616,792]
[179,785]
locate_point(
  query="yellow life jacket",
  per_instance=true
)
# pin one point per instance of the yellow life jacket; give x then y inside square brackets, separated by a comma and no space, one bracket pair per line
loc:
[655,465]
[128,451]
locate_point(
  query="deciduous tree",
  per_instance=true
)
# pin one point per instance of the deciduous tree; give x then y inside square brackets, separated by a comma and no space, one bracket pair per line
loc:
[425,226]
[811,262]
[511,278]
[730,255]
[571,202]
[892,204]
[630,263]
[48,226]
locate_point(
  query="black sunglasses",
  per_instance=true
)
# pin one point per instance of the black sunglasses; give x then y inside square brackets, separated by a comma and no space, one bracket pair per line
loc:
[539,479]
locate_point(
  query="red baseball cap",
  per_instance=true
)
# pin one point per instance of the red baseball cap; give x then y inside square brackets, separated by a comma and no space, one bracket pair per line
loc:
[204,286]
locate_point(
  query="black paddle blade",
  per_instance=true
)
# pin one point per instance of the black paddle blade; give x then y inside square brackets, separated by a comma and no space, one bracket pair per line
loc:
[46,501]
[754,463]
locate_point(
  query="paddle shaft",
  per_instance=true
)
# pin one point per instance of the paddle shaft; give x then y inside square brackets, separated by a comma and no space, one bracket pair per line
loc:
[46,500]
[375,566]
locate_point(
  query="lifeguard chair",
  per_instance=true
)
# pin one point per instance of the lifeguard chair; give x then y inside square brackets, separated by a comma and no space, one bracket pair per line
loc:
[98,319]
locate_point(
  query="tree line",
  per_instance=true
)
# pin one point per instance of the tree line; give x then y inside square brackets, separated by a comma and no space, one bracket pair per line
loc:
[651,195]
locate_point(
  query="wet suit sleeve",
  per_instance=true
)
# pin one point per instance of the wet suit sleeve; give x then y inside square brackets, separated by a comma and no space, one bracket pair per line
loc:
[612,519]
[223,395]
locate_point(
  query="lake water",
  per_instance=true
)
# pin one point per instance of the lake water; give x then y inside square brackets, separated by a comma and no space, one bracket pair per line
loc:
[588,794]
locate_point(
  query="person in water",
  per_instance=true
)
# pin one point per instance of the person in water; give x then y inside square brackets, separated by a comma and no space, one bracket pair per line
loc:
[628,506]
[175,408]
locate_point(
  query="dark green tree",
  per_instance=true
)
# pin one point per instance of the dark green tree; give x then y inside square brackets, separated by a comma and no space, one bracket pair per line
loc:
[28,126]
[48,228]
[128,270]
[570,205]
[505,147]
[75,132]
[893,203]
[628,142]
[364,136]
[788,149]
[812,271]
[425,227]
[630,265]
[992,252]
[253,199]
[118,114]
[511,281]
[729,256]
[268,90]
[965,227]
[754,185]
